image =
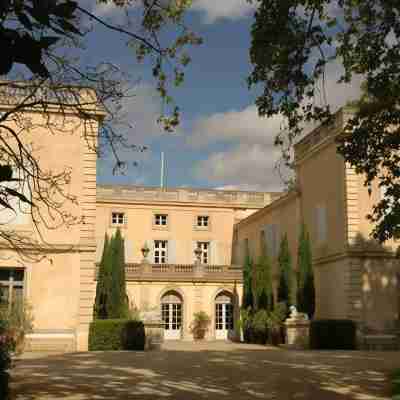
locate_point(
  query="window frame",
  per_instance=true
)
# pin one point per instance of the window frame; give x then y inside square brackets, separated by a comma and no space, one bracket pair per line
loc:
[202,227]
[11,283]
[118,213]
[161,226]
[158,252]
[205,252]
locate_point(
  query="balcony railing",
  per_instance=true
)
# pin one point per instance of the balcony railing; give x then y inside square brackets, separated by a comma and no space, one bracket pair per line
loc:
[182,272]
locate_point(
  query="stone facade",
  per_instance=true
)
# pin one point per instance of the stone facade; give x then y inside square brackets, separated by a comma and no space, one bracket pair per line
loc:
[354,277]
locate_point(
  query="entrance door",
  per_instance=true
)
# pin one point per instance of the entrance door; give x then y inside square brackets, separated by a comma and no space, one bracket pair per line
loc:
[171,312]
[223,317]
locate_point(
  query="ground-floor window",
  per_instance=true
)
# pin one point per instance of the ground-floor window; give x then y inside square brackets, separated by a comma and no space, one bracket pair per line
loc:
[11,286]
[223,315]
[171,313]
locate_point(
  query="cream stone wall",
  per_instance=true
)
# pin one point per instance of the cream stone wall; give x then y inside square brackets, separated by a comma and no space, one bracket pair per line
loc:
[354,277]
[60,287]
[196,296]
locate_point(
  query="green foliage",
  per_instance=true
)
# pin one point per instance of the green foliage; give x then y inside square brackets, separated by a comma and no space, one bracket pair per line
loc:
[116,334]
[117,304]
[263,286]
[305,276]
[17,322]
[5,359]
[333,334]
[292,43]
[285,288]
[111,298]
[396,385]
[259,327]
[247,300]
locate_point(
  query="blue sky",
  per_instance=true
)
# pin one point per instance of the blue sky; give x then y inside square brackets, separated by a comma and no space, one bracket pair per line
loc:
[221,142]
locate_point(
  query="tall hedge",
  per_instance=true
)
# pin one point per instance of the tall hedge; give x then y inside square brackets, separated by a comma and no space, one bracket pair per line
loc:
[117,304]
[264,293]
[111,298]
[247,283]
[305,275]
[103,283]
[285,288]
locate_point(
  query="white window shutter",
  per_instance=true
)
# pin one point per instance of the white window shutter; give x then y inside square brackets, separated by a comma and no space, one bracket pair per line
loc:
[321,223]
[194,247]
[268,237]
[151,253]
[99,248]
[214,256]
[277,240]
[128,250]
[171,252]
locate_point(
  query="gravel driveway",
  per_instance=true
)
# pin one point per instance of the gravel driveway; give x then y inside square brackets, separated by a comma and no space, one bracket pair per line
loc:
[212,370]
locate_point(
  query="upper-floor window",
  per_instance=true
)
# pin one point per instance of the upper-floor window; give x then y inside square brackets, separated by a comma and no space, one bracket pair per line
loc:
[203,221]
[11,286]
[160,251]
[161,219]
[271,236]
[205,252]
[117,218]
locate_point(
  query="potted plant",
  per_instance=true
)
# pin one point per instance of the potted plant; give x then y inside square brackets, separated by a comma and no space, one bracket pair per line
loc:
[199,325]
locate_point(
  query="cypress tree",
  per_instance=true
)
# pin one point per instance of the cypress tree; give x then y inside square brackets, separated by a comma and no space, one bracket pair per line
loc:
[285,288]
[264,292]
[99,311]
[247,283]
[305,275]
[117,305]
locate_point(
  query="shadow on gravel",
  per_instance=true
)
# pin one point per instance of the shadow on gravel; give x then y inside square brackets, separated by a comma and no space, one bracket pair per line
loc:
[185,375]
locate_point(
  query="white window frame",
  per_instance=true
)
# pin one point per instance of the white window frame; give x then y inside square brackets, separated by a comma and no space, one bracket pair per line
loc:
[160,253]
[203,221]
[161,220]
[11,283]
[116,218]
[205,247]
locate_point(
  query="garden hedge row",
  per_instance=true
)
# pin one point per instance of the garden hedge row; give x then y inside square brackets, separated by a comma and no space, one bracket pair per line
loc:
[333,334]
[116,334]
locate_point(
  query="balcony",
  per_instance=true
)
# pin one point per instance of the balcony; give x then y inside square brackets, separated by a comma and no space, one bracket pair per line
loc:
[147,272]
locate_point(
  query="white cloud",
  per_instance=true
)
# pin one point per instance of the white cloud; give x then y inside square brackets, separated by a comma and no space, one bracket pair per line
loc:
[248,166]
[244,126]
[218,9]
[251,157]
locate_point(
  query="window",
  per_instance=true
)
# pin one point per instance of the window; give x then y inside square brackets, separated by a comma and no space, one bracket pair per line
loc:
[161,219]
[205,252]
[272,238]
[160,251]
[117,218]
[202,221]
[11,286]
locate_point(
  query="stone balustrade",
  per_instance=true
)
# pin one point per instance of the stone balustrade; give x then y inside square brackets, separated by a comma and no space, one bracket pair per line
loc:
[182,272]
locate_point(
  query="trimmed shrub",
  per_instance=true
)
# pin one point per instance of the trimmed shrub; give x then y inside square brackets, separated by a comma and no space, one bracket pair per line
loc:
[333,334]
[5,361]
[116,334]
[259,327]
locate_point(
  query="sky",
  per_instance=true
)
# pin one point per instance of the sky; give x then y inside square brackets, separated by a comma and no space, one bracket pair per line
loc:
[221,141]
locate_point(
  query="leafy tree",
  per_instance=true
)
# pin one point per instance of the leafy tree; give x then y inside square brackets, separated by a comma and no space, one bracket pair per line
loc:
[102,287]
[264,293]
[117,304]
[305,275]
[247,301]
[285,288]
[42,67]
[292,43]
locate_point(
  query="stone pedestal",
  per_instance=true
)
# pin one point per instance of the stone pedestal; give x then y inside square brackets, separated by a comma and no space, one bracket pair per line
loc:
[297,330]
[154,330]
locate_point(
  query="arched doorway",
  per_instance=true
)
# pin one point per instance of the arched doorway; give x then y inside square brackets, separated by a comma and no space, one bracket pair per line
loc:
[171,313]
[224,326]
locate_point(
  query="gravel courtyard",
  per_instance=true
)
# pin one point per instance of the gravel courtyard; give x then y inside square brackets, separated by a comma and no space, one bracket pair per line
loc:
[214,370]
